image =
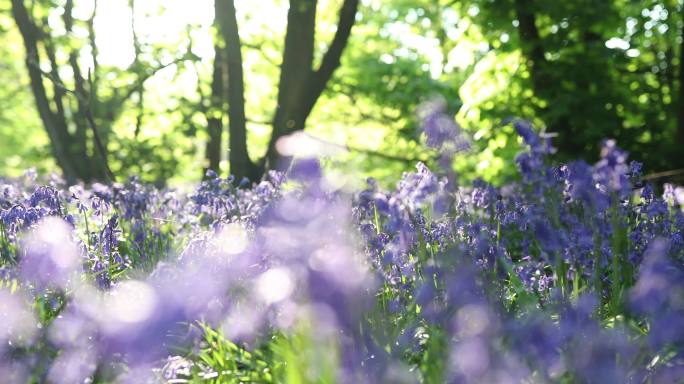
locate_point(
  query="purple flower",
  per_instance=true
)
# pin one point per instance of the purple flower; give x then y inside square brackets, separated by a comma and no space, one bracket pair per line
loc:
[17,320]
[525,130]
[50,258]
[659,295]
[440,129]
[306,170]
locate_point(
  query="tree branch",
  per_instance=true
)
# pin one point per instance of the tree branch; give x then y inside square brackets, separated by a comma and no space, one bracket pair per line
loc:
[94,51]
[143,78]
[295,71]
[140,89]
[87,111]
[80,137]
[58,94]
[366,151]
[331,59]
[259,48]
[98,142]
[663,174]
[349,93]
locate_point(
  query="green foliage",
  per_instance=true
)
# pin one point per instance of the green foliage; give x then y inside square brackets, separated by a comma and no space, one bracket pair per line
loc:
[222,361]
[610,69]
[292,358]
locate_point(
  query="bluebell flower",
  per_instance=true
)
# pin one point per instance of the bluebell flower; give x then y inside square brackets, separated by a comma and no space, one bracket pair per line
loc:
[50,258]
[440,129]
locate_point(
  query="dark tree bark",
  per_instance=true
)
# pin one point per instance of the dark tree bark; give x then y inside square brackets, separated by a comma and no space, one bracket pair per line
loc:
[295,72]
[331,59]
[542,83]
[680,104]
[96,168]
[215,113]
[575,135]
[300,85]
[241,164]
[531,44]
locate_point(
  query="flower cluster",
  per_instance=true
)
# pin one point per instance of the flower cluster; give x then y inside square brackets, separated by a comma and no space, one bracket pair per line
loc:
[574,273]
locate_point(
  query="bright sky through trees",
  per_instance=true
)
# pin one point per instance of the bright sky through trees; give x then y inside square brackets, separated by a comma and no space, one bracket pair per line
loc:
[167,21]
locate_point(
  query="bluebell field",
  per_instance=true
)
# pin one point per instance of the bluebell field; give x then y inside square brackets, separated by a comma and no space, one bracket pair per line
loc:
[573,274]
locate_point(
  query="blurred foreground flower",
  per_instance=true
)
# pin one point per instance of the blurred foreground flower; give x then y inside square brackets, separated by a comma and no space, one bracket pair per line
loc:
[50,257]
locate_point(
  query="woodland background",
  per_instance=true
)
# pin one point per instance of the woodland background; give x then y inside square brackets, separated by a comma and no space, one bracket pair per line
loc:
[105,89]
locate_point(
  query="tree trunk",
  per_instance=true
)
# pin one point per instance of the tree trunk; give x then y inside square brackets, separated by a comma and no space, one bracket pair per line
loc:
[295,72]
[300,85]
[575,135]
[241,166]
[542,83]
[54,125]
[680,109]
[531,44]
[94,168]
[215,113]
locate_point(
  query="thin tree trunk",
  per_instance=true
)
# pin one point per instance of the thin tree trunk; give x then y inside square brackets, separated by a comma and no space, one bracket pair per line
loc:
[680,109]
[140,88]
[94,51]
[95,165]
[215,113]
[78,145]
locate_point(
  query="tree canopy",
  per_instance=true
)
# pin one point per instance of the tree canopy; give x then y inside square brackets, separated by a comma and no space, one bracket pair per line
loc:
[166,90]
